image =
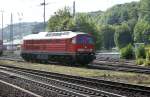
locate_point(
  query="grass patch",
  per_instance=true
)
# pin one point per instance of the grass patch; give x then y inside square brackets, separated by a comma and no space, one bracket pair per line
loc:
[133,78]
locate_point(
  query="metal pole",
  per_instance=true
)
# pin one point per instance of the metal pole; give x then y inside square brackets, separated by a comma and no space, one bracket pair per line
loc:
[2,30]
[20,19]
[11,31]
[44,16]
[74,8]
[44,4]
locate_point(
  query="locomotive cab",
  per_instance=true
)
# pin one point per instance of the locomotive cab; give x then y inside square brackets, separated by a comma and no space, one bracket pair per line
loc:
[84,47]
[84,44]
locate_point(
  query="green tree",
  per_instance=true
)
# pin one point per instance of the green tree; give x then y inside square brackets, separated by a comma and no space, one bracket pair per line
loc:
[145,10]
[123,36]
[107,32]
[61,21]
[127,52]
[140,52]
[142,28]
[146,34]
[120,13]
[142,31]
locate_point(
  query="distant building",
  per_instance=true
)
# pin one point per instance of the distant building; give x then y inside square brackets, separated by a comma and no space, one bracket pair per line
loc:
[15,45]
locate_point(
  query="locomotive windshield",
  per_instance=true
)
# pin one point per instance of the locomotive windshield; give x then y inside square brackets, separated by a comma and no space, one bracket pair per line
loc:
[85,40]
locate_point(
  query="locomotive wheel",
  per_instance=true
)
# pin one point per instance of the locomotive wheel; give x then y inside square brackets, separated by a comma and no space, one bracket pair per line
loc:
[71,63]
[83,60]
[69,60]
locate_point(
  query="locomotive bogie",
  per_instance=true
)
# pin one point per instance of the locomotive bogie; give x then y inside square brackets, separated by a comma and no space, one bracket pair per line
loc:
[68,59]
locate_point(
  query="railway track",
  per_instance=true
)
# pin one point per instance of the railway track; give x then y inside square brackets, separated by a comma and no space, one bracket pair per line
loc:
[14,91]
[103,66]
[45,86]
[114,88]
[119,67]
[12,58]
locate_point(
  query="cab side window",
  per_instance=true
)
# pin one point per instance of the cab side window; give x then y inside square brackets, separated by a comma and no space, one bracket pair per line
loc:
[80,40]
[85,40]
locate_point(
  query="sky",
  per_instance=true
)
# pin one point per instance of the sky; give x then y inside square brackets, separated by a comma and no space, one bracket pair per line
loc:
[32,11]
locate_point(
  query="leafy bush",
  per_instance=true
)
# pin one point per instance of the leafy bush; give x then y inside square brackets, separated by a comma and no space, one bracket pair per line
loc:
[148,56]
[140,52]
[147,61]
[127,52]
[140,61]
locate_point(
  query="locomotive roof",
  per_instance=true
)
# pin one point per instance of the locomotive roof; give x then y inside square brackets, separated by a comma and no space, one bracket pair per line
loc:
[52,35]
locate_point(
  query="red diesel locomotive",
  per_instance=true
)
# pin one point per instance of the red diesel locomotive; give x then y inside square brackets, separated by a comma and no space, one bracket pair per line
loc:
[67,47]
